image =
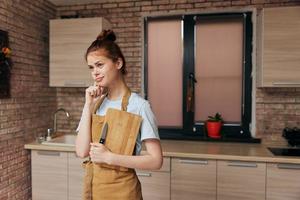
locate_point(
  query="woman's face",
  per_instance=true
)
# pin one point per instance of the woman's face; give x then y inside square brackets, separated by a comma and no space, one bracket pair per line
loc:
[103,70]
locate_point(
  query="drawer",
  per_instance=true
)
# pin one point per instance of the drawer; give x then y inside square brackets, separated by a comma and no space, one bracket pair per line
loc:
[155,185]
[166,165]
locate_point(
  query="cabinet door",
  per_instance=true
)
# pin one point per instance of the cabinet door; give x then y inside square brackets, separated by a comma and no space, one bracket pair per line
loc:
[49,175]
[283,181]
[156,184]
[76,174]
[193,179]
[68,41]
[241,180]
[280,56]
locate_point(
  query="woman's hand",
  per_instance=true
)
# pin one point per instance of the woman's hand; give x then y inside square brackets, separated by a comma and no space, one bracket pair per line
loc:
[92,93]
[99,153]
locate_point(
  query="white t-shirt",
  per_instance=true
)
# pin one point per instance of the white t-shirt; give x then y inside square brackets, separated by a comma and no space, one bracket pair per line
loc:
[136,105]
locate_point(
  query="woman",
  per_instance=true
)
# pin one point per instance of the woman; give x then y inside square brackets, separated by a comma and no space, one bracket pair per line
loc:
[108,67]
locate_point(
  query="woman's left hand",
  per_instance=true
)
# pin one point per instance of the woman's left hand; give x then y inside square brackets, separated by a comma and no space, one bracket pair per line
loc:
[99,153]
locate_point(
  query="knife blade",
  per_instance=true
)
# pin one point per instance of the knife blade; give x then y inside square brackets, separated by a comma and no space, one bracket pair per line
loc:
[104,133]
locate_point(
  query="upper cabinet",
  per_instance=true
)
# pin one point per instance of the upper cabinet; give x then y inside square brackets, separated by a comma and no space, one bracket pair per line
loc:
[279,47]
[69,40]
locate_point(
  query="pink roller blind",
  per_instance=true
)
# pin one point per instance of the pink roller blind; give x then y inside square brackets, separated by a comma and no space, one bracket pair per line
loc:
[165,71]
[219,55]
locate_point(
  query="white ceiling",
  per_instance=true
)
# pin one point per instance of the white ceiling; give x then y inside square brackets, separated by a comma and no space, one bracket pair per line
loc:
[73,2]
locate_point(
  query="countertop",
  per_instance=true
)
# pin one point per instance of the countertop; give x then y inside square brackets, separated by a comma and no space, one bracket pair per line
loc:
[200,150]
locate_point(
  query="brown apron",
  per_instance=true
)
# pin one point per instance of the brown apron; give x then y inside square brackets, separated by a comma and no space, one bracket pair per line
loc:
[103,183]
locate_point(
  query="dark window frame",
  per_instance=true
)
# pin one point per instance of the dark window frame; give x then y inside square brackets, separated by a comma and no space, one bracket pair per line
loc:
[191,130]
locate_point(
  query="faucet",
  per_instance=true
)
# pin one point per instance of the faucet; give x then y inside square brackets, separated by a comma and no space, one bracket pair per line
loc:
[54,122]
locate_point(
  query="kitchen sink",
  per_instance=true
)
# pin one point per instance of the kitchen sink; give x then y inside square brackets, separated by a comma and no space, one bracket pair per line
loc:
[64,140]
[285,151]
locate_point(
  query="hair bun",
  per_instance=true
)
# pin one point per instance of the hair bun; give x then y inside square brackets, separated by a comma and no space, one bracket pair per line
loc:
[106,35]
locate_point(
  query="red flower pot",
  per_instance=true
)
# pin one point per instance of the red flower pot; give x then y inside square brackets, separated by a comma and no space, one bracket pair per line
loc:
[213,129]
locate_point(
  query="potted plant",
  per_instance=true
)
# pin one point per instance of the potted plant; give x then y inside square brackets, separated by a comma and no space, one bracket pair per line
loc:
[4,71]
[213,125]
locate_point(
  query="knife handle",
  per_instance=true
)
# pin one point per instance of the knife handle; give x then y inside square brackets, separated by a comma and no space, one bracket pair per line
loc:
[102,141]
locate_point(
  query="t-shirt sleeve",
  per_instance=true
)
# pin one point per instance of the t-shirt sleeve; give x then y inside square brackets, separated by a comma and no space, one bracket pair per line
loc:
[149,128]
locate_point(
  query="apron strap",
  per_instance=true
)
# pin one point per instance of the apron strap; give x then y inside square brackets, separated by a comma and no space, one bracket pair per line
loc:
[125,101]
[98,103]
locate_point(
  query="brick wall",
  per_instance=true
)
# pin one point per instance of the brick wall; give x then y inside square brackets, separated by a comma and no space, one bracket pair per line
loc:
[26,113]
[276,108]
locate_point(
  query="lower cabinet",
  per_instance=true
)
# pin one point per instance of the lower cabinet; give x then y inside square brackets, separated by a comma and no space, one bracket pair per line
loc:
[75,177]
[56,175]
[193,179]
[283,181]
[49,175]
[59,175]
[156,184]
[241,180]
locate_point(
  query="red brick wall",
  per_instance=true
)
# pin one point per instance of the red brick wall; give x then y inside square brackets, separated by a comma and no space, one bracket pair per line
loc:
[27,113]
[276,108]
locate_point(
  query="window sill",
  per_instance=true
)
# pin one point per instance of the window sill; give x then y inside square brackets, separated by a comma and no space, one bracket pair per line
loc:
[177,136]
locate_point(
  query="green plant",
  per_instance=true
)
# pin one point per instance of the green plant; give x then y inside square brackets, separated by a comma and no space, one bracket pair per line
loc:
[216,118]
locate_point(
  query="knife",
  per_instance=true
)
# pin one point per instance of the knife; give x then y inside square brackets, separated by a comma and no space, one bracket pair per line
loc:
[104,133]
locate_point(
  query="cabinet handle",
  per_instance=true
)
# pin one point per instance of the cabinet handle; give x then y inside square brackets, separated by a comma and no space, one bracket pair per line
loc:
[288,166]
[241,164]
[144,174]
[75,84]
[200,162]
[285,83]
[74,155]
[49,153]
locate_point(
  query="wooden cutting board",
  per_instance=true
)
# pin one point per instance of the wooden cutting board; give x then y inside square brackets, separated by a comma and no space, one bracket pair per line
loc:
[123,129]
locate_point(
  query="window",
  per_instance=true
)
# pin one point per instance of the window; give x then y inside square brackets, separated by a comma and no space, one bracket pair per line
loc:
[165,72]
[195,66]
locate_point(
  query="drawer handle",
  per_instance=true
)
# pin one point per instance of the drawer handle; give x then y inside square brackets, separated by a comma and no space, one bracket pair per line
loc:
[242,164]
[144,174]
[200,162]
[286,83]
[75,155]
[288,166]
[48,153]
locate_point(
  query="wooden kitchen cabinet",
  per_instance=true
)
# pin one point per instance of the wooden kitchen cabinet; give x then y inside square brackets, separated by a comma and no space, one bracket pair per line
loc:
[69,40]
[241,180]
[283,181]
[156,184]
[279,47]
[193,179]
[75,177]
[49,175]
